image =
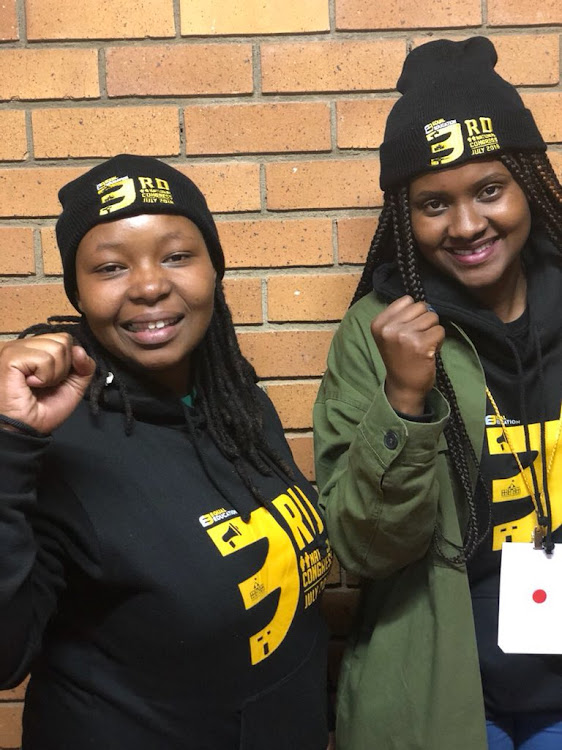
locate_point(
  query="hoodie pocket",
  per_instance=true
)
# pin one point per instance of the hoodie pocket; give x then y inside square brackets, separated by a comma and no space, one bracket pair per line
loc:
[291,715]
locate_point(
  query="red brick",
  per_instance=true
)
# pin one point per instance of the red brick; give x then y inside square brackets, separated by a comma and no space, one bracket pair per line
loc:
[524,12]
[103,132]
[523,59]
[16,253]
[546,108]
[302,449]
[219,17]
[49,74]
[13,145]
[15,694]
[8,20]
[172,70]
[276,244]
[89,19]
[244,299]
[331,66]
[52,265]
[257,128]
[528,59]
[303,298]
[23,305]
[228,188]
[286,354]
[293,402]
[406,14]
[354,238]
[10,725]
[335,183]
[32,191]
[361,123]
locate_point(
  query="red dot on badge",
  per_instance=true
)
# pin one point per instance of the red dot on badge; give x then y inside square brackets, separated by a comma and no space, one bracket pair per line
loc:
[539,596]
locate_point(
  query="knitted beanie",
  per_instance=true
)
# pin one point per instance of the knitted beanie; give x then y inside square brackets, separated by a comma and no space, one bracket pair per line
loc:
[454,107]
[125,186]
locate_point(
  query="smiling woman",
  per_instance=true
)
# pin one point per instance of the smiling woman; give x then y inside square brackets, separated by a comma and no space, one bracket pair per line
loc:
[146,285]
[157,540]
[438,420]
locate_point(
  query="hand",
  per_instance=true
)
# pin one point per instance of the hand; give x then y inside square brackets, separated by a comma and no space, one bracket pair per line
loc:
[42,379]
[408,337]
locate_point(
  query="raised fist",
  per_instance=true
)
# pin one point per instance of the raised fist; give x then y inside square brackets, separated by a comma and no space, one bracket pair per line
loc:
[408,336]
[42,379]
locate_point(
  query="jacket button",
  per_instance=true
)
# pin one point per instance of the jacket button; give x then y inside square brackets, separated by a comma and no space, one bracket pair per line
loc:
[391,440]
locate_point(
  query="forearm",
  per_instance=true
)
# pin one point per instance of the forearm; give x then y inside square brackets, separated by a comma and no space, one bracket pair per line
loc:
[381,495]
[20,460]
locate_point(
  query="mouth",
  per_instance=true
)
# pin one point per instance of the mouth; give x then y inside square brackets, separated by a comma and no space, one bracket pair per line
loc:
[152,332]
[475,253]
[139,326]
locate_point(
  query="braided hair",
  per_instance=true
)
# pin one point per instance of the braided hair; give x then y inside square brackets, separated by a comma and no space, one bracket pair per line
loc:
[225,383]
[394,240]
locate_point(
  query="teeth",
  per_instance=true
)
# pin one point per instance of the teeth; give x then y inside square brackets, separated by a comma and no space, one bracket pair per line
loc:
[478,251]
[151,326]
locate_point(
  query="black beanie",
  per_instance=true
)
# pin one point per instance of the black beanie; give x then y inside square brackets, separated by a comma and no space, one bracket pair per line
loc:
[124,186]
[454,107]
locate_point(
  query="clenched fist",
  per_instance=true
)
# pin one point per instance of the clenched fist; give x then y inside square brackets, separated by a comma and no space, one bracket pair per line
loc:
[408,336]
[42,379]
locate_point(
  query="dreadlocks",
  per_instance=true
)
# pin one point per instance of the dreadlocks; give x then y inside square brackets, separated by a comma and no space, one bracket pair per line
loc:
[224,381]
[394,240]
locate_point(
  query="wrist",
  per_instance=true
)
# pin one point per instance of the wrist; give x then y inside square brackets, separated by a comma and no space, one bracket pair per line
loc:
[9,424]
[408,403]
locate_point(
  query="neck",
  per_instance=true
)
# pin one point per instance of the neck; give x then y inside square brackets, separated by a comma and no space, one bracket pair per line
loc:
[508,298]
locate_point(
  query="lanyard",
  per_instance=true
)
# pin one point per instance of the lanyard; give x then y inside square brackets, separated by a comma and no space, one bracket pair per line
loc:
[539,532]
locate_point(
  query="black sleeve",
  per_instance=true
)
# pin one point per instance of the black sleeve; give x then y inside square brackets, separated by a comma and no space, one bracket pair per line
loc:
[41,525]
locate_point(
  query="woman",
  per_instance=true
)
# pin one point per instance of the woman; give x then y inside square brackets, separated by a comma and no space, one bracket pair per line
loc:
[437,422]
[160,550]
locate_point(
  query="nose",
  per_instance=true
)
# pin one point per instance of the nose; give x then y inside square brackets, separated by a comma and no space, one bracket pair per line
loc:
[149,284]
[467,221]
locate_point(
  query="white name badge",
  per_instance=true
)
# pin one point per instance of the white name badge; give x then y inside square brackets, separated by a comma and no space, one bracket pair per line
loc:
[530,600]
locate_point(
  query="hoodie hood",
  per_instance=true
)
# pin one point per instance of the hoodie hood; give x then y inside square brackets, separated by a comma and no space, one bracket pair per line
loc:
[454,304]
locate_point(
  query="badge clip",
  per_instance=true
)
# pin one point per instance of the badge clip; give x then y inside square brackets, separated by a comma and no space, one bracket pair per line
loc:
[538,537]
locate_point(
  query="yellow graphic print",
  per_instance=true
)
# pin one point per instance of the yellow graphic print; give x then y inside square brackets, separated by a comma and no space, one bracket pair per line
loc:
[281,571]
[121,190]
[480,136]
[452,143]
[515,487]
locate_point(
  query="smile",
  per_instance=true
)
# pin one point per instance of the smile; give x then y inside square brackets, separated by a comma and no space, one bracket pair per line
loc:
[473,254]
[150,325]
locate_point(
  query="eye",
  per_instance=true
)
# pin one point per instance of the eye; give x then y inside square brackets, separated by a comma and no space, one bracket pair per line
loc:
[490,192]
[433,206]
[179,257]
[109,269]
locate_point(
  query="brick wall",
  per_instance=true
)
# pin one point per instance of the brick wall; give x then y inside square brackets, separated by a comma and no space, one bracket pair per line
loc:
[276,109]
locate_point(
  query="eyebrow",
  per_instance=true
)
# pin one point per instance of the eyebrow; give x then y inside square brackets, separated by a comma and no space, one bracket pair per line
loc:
[174,235]
[424,194]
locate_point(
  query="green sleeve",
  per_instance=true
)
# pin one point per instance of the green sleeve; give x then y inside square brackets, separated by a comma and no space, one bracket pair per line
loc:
[376,472]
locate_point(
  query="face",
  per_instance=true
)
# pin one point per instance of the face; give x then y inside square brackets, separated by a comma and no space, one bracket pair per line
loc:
[471,222]
[146,287]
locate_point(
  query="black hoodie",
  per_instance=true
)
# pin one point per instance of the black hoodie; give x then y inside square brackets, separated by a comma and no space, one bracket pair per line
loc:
[522,363]
[152,616]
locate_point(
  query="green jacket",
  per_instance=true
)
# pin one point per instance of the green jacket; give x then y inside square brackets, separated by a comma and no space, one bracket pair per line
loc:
[410,678]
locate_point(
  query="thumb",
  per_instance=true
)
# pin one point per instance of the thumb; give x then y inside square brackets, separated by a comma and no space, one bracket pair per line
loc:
[82,369]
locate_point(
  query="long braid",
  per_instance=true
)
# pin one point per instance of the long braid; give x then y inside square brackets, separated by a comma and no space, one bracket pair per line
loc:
[534,173]
[456,434]
[225,383]
[394,238]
